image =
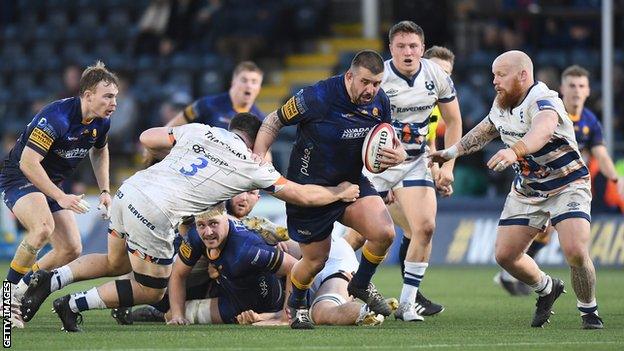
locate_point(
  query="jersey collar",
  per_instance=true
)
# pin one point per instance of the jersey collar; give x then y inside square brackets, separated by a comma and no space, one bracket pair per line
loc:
[409,81]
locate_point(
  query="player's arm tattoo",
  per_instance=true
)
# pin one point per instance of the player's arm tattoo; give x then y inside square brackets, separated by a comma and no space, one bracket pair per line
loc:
[271,125]
[477,137]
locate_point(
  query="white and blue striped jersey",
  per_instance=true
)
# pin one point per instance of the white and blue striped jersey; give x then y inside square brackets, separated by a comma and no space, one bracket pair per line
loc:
[548,170]
[413,99]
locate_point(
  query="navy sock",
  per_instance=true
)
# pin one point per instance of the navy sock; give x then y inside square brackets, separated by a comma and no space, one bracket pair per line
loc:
[535,247]
[403,253]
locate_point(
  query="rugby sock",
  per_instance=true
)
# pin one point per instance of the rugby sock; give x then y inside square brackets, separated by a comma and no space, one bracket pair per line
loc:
[86,300]
[367,268]
[414,273]
[403,252]
[33,269]
[299,293]
[61,277]
[587,307]
[544,286]
[535,247]
[16,272]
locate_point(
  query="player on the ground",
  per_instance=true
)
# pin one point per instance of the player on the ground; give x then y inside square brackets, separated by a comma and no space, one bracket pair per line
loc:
[575,90]
[331,303]
[415,87]
[246,269]
[46,153]
[552,183]
[333,118]
[203,167]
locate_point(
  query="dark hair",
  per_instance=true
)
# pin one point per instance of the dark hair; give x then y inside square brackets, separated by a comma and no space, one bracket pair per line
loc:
[406,27]
[247,123]
[368,59]
[440,52]
[246,66]
[575,71]
[95,74]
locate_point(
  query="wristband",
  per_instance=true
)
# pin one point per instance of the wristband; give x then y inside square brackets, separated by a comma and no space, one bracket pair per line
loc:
[450,153]
[519,148]
[104,191]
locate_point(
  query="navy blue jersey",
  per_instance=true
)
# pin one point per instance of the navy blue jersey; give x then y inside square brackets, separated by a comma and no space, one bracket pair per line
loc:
[246,267]
[330,132]
[58,134]
[216,111]
[587,130]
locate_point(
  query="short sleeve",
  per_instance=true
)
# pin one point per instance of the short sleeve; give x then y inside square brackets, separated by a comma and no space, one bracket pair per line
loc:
[199,111]
[191,249]
[47,128]
[266,177]
[183,132]
[102,139]
[299,107]
[446,87]
[596,134]
[264,257]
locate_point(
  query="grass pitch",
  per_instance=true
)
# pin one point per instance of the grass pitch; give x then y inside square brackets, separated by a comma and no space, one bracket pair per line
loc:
[478,316]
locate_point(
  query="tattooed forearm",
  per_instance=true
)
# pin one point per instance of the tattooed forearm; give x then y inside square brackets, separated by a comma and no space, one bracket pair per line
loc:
[584,281]
[478,137]
[271,125]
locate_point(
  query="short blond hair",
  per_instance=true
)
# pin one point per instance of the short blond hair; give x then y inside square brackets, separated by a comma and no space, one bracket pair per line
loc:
[215,211]
[441,53]
[95,74]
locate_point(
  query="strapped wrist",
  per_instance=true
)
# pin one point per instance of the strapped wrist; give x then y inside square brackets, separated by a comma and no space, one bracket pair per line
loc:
[104,191]
[519,148]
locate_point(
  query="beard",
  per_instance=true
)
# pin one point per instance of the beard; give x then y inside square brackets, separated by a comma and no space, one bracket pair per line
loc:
[509,99]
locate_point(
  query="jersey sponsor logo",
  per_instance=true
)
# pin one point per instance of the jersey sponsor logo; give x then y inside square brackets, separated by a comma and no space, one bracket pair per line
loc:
[392,92]
[291,108]
[396,109]
[72,153]
[42,122]
[141,218]
[41,139]
[521,116]
[305,162]
[504,131]
[185,250]
[544,105]
[347,115]
[354,133]
[211,137]
[263,286]
[304,232]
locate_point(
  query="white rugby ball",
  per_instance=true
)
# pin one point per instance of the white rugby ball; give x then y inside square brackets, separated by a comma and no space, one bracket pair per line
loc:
[382,135]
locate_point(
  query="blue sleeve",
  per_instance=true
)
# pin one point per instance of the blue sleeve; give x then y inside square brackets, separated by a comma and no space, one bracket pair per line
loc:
[264,257]
[102,139]
[596,133]
[301,107]
[256,112]
[191,249]
[199,111]
[45,128]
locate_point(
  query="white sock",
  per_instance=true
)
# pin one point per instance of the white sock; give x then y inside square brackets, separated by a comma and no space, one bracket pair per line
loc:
[587,307]
[86,300]
[544,286]
[19,289]
[61,277]
[414,274]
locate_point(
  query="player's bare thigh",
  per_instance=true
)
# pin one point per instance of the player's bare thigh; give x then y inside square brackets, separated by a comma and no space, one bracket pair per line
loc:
[419,207]
[66,236]
[33,212]
[513,240]
[369,217]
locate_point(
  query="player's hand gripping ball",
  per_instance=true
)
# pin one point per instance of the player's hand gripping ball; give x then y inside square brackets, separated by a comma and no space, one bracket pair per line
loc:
[381,136]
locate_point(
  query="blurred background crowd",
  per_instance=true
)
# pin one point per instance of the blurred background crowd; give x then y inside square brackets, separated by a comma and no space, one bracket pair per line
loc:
[170,52]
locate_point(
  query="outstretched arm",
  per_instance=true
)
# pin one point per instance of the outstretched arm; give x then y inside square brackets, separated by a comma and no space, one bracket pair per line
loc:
[473,141]
[267,134]
[309,195]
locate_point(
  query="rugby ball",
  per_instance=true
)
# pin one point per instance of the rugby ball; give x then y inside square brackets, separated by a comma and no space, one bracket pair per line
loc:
[382,135]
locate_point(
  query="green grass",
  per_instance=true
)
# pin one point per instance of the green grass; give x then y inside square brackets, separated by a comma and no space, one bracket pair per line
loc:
[478,316]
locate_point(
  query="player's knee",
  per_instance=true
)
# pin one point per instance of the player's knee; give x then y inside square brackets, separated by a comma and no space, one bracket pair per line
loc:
[316,265]
[386,235]
[70,252]
[427,228]
[505,258]
[575,255]
[39,234]
[118,267]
